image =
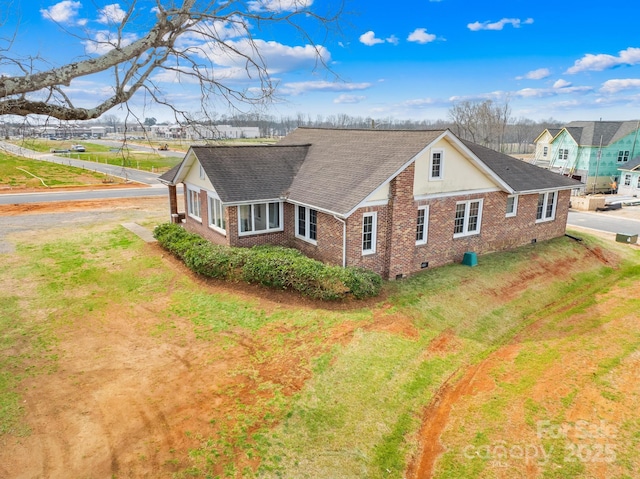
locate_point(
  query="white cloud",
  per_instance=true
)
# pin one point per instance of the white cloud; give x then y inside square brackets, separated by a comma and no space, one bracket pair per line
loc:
[420,35]
[560,87]
[111,14]
[617,85]
[392,39]
[590,62]
[419,102]
[277,57]
[499,25]
[62,12]
[369,39]
[105,41]
[561,83]
[538,74]
[297,88]
[349,99]
[279,6]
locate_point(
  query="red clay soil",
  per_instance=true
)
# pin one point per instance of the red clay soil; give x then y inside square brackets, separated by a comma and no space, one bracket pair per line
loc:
[474,379]
[131,400]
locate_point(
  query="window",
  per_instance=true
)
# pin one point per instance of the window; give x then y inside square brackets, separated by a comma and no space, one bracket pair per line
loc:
[422,225]
[201,172]
[563,154]
[306,223]
[216,214]
[512,205]
[369,228]
[623,155]
[468,218]
[193,203]
[545,150]
[638,184]
[627,180]
[435,165]
[546,206]
[260,218]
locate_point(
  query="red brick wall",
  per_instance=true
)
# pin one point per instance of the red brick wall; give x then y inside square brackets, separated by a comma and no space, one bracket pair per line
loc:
[396,252]
[397,228]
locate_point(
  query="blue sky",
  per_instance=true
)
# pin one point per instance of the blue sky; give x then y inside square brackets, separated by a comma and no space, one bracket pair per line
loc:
[403,60]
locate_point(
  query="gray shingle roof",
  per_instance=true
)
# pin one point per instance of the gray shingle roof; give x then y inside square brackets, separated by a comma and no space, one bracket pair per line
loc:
[250,173]
[335,170]
[589,133]
[519,175]
[631,165]
[343,166]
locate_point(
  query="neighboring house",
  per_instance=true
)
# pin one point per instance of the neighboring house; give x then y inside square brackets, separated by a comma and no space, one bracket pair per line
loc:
[630,178]
[591,151]
[543,146]
[394,202]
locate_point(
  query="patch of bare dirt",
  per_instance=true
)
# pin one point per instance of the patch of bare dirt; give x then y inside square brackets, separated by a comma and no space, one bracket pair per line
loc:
[469,387]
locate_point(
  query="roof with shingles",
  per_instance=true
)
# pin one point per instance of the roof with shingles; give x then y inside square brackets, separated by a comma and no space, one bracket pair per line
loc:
[631,164]
[335,170]
[250,173]
[344,166]
[520,175]
[592,133]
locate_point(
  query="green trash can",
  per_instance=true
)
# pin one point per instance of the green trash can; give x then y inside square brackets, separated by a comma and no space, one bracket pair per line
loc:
[470,259]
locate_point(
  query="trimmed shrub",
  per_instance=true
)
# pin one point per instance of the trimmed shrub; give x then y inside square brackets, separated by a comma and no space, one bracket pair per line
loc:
[362,283]
[272,266]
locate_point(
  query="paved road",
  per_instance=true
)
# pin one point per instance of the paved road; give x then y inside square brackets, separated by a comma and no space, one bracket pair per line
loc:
[48,196]
[607,221]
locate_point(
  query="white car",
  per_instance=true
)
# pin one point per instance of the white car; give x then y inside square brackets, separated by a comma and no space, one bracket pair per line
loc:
[78,148]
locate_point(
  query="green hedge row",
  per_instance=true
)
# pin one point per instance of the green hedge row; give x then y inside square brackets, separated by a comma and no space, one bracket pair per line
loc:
[273,266]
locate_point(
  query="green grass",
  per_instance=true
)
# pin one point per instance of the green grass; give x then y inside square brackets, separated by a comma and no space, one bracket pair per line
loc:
[359,412]
[129,156]
[20,172]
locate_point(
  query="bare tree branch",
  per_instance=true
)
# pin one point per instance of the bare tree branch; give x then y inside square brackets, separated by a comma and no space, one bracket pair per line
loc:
[197,42]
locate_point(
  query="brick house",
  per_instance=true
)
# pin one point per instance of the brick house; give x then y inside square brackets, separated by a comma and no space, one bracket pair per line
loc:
[394,202]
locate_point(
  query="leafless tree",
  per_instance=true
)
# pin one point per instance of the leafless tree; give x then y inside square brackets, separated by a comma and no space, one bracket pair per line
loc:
[201,42]
[482,122]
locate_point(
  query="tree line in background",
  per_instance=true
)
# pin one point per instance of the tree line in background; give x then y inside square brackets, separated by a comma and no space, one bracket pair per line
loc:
[486,123]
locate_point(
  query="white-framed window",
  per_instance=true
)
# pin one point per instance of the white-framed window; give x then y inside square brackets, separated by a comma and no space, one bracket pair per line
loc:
[627,179]
[216,214]
[545,150]
[468,218]
[563,153]
[512,205]
[422,225]
[193,203]
[436,165]
[369,232]
[546,206]
[307,224]
[623,155]
[201,172]
[638,183]
[259,218]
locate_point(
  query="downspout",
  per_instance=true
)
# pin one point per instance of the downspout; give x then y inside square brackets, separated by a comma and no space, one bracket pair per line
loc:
[344,240]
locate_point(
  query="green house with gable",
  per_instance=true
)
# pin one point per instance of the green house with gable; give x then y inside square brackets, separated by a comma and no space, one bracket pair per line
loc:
[591,151]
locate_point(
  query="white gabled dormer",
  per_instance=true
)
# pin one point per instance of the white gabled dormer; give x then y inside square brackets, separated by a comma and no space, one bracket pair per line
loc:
[446,168]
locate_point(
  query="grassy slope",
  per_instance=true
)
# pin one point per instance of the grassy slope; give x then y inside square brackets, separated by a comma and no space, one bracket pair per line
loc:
[21,172]
[359,413]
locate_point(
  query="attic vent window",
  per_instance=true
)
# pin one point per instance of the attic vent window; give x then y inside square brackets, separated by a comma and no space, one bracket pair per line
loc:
[436,163]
